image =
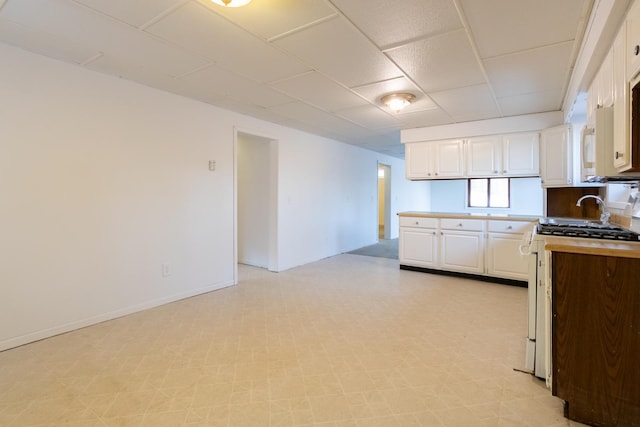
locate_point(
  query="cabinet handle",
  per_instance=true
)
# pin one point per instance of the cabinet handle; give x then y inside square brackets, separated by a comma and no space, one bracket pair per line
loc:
[428,173]
[504,171]
[619,154]
[459,225]
[495,172]
[636,50]
[509,227]
[417,223]
[436,174]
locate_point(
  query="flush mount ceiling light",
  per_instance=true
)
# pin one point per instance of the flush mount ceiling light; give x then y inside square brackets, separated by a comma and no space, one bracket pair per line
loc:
[231,3]
[397,101]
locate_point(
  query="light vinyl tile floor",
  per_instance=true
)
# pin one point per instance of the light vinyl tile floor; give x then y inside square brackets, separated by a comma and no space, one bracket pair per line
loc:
[347,341]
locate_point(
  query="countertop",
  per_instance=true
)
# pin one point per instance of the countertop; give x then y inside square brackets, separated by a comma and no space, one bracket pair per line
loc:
[508,217]
[577,245]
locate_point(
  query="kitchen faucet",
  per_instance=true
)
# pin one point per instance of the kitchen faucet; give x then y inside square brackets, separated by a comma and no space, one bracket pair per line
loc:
[604,217]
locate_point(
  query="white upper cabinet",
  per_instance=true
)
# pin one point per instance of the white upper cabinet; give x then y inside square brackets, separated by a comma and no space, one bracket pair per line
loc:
[605,82]
[632,48]
[556,156]
[450,159]
[484,156]
[503,155]
[418,161]
[521,154]
[621,141]
[435,159]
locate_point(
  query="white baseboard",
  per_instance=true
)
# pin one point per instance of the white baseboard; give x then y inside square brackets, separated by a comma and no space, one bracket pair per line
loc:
[72,326]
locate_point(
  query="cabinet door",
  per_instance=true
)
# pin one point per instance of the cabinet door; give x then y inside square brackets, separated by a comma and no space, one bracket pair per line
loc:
[503,257]
[621,141]
[418,160]
[633,41]
[605,81]
[555,156]
[593,99]
[521,154]
[449,159]
[595,341]
[462,251]
[484,156]
[418,247]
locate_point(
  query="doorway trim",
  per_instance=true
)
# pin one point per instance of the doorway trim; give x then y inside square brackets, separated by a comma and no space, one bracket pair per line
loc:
[387,199]
[273,200]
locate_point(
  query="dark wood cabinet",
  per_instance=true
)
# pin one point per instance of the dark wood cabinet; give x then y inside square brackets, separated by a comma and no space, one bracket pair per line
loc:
[596,338]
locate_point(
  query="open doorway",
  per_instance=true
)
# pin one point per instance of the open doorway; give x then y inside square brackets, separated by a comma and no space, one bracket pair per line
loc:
[384,201]
[256,201]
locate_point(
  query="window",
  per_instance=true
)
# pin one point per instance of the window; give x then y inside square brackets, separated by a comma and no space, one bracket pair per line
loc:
[489,192]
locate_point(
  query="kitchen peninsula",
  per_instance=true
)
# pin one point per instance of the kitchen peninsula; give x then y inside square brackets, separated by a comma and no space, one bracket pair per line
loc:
[595,308]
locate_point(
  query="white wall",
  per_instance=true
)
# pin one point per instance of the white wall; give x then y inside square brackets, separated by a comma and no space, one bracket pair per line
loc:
[104,180]
[335,205]
[451,196]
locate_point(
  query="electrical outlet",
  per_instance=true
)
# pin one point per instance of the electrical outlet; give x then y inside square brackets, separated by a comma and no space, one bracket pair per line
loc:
[166,271]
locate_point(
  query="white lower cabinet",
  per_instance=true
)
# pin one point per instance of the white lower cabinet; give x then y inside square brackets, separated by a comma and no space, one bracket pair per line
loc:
[419,248]
[462,251]
[419,237]
[481,247]
[462,245]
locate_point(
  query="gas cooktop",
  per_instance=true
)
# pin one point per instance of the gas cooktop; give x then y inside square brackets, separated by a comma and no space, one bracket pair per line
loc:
[585,229]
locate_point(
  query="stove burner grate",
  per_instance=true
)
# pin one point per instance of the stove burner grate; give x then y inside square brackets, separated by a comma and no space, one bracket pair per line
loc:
[613,233]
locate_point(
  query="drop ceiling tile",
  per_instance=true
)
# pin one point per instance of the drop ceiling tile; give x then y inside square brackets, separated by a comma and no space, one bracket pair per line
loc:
[432,117]
[468,103]
[317,119]
[135,13]
[268,19]
[370,117]
[537,102]
[338,50]
[249,110]
[69,21]
[151,53]
[529,23]
[391,23]
[439,63]
[198,29]
[530,71]
[37,41]
[315,89]
[218,82]
[299,111]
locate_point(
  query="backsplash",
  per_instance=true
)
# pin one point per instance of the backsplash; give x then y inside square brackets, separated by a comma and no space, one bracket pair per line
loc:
[623,200]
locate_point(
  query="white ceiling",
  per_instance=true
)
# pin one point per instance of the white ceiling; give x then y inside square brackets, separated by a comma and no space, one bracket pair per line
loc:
[322,65]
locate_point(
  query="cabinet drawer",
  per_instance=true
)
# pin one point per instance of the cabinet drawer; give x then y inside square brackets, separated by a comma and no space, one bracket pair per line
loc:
[516,227]
[417,222]
[462,224]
